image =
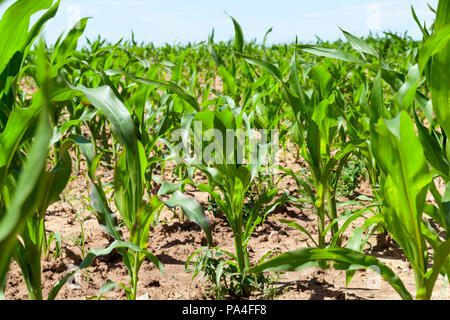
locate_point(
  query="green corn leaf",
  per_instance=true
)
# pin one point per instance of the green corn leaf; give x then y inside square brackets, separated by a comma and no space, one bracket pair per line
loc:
[55,181]
[213,52]
[293,76]
[229,80]
[169,85]
[192,209]
[106,287]
[440,75]
[177,73]
[425,32]
[123,197]
[407,93]
[324,79]
[238,36]
[38,26]
[266,36]
[440,258]
[130,169]
[103,98]
[446,202]
[434,45]
[433,149]
[295,225]
[18,123]
[313,143]
[94,253]
[347,220]
[377,110]
[27,192]
[107,220]
[329,53]
[307,257]
[14,27]
[359,44]
[266,65]
[399,153]
[69,44]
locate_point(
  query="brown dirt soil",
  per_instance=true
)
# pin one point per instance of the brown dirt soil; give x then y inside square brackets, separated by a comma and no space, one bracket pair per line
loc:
[173,242]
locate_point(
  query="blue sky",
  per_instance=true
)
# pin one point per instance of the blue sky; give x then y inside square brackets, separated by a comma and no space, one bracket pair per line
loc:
[170,21]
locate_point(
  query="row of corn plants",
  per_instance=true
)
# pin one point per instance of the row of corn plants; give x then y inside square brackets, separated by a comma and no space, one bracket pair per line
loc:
[383,102]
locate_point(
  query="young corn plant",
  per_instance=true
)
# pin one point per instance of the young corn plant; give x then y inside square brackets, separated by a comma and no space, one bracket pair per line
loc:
[133,198]
[229,179]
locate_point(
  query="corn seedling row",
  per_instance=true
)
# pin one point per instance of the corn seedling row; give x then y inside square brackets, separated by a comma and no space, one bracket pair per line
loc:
[375,108]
